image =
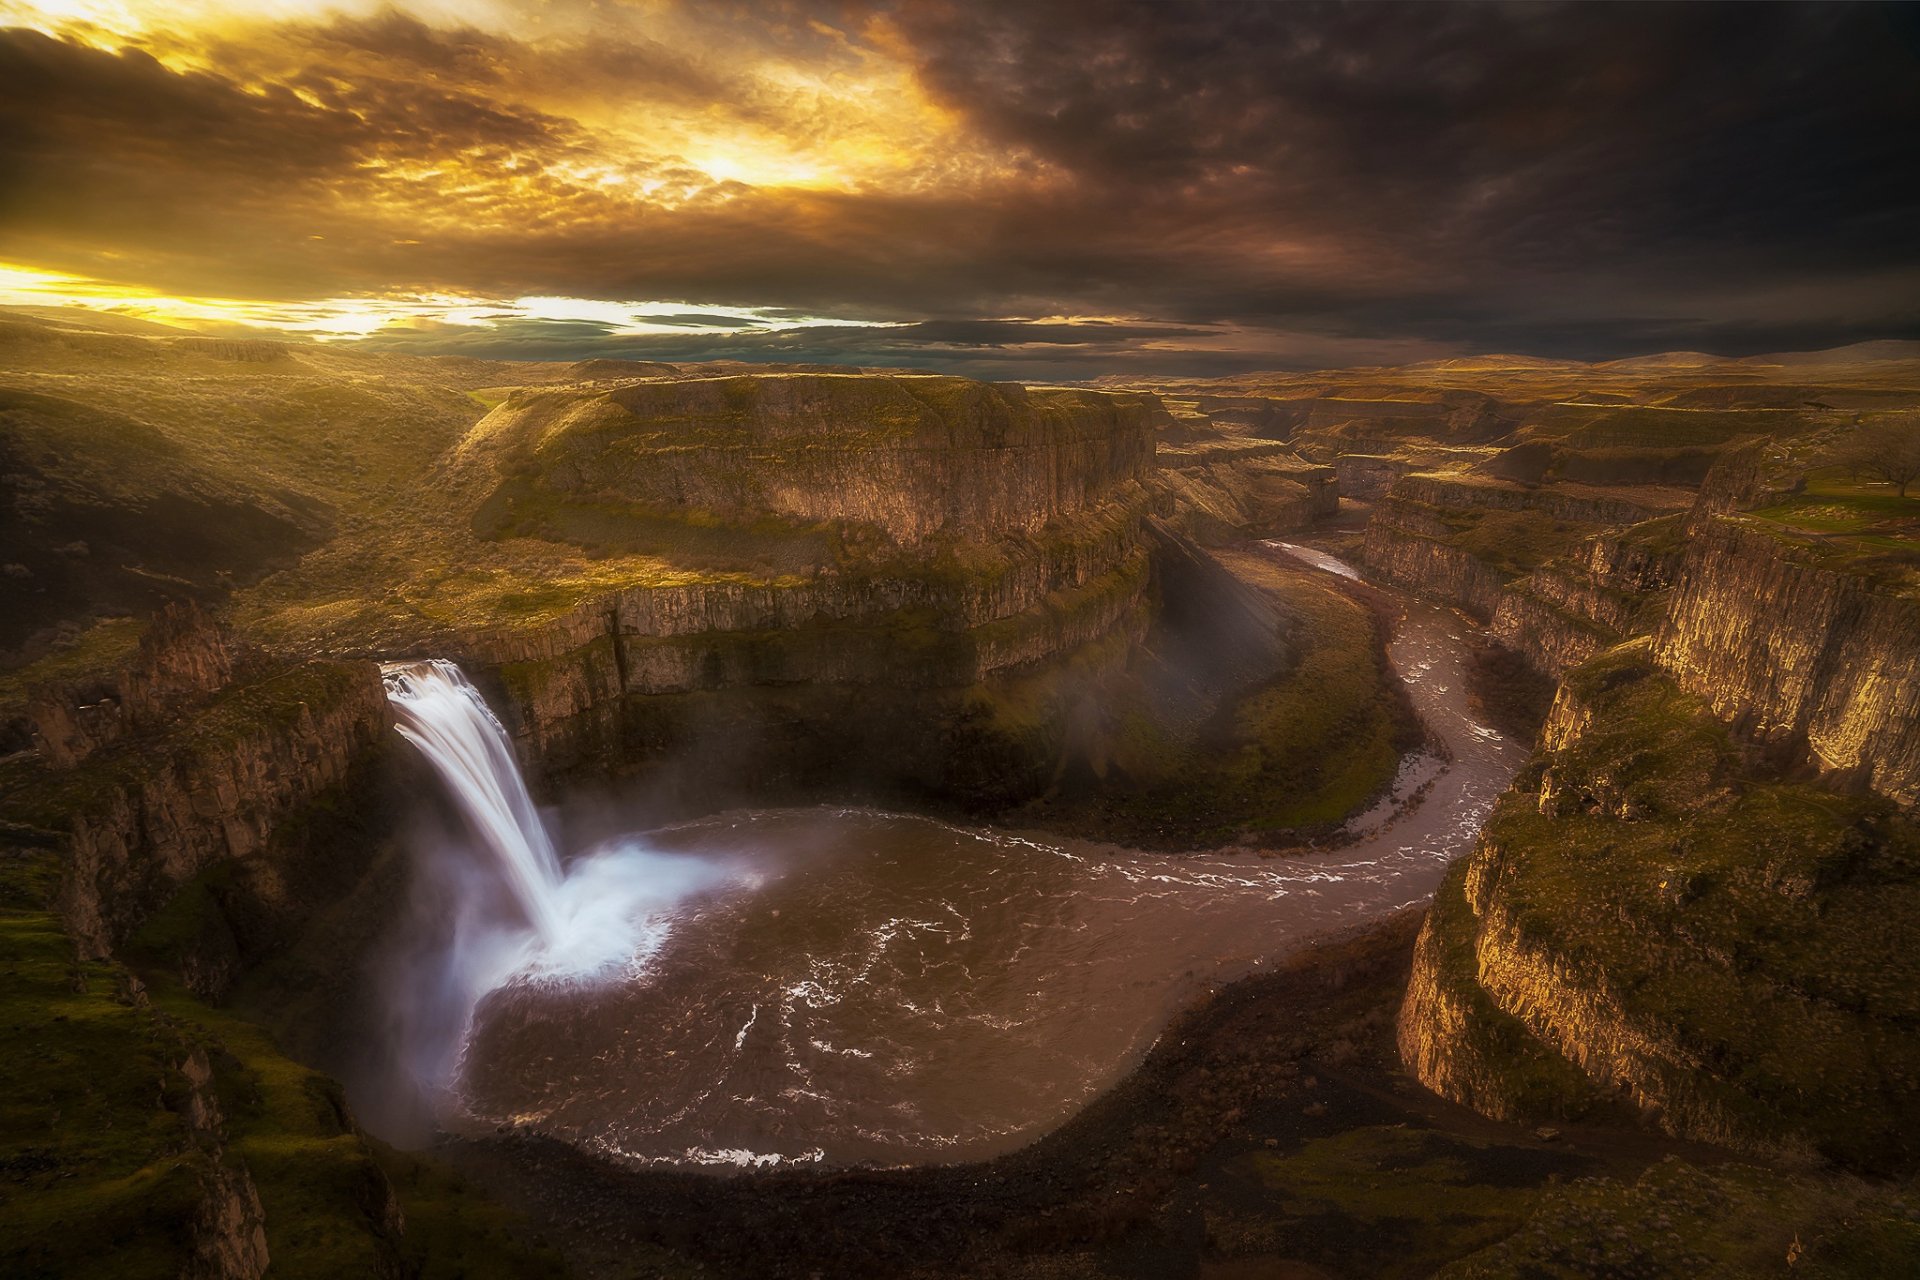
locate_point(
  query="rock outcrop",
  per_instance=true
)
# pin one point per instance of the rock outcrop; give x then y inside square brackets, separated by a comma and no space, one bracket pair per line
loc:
[1559,571]
[1571,503]
[1428,565]
[143,816]
[1603,590]
[1643,923]
[913,455]
[183,658]
[1226,489]
[605,687]
[1798,652]
[977,532]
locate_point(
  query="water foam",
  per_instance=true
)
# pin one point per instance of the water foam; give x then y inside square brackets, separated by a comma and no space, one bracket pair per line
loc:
[517,915]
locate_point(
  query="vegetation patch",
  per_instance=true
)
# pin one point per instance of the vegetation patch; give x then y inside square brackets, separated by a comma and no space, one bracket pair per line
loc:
[1732,1222]
[1762,937]
[1839,521]
[1298,751]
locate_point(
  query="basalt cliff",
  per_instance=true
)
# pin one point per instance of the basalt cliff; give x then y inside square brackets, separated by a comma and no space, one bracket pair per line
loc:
[1692,910]
[1692,915]
[780,584]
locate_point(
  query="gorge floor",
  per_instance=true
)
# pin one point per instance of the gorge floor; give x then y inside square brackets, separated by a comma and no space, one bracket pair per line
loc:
[1270,1132]
[853,986]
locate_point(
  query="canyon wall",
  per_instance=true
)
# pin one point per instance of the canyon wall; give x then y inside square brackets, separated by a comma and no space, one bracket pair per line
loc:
[141,816]
[914,455]
[1574,503]
[1600,591]
[1798,653]
[1645,925]
[1399,552]
[1690,906]
[222,817]
[1009,540]
[1559,572]
[1227,490]
[182,657]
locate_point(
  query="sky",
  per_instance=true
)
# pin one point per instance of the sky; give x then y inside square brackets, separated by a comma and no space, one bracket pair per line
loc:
[1027,189]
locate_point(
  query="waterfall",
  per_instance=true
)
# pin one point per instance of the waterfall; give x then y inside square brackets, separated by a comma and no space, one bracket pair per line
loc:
[438,710]
[493,906]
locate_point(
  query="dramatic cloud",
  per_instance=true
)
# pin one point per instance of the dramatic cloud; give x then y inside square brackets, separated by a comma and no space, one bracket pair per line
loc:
[1059,188]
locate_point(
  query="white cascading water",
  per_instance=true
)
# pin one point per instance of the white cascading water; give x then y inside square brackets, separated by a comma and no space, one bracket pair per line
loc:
[500,907]
[438,710]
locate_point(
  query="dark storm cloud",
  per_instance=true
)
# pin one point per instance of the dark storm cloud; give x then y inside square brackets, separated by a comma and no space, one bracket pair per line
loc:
[1565,179]
[1482,150]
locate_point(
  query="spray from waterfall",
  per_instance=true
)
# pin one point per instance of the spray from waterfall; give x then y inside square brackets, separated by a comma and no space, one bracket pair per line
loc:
[493,902]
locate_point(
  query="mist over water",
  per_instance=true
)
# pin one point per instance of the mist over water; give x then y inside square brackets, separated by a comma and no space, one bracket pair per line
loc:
[835,985]
[507,912]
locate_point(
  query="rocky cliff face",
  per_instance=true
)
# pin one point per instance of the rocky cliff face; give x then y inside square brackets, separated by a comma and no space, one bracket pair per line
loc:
[602,688]
[914,455]
[1601,591]
[141,817]
[978,532]
[1575,503]
[1367,477]
[1798,652]
[1645,924]
[1559,571]
[1429,566]
[183,657]
[1750,475]
[1222,490]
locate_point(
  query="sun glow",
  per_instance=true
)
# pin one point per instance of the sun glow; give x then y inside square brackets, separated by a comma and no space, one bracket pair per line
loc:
[333,319]
[372,158]
[130,18]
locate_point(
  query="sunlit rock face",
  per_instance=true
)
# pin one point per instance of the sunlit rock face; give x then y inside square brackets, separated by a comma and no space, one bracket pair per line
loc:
[1474,541]
[1647,924]
[1800,649]
[841,535]
[1611,586]
[910,455]
[1223,489]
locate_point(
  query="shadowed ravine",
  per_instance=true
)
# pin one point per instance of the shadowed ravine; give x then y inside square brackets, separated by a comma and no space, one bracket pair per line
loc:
[844,986]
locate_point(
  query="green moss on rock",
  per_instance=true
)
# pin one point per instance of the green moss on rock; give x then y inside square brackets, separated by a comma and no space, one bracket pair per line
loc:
[1737,955]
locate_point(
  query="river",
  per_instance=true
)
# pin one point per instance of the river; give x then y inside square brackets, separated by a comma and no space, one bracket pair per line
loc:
[846,986]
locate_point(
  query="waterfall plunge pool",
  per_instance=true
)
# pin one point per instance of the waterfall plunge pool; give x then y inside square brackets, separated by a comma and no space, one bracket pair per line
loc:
[845,986]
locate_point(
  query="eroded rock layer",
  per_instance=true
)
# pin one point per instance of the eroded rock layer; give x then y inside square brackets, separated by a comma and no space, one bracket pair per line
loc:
[913,455]
[1645,923]
[901,539]
[1798,652]
[140,819]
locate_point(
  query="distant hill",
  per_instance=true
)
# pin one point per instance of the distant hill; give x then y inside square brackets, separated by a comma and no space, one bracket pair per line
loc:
[1857,353]
[592,370]
[94,321]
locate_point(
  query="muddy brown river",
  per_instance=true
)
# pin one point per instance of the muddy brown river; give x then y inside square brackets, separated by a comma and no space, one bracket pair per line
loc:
[846,986]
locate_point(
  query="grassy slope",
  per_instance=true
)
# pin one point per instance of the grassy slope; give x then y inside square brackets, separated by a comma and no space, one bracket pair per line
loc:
[100,1174]
[1841,521]
[97,1173]
[1729,1223]
[141,468]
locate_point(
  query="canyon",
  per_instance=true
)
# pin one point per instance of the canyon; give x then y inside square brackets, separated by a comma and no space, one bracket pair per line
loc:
[1058,613]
